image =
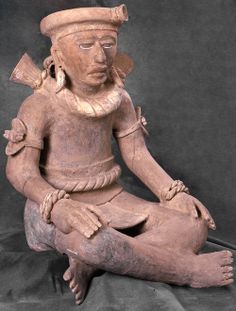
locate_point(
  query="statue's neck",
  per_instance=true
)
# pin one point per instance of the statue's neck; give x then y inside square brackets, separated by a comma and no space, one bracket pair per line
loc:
[105,100]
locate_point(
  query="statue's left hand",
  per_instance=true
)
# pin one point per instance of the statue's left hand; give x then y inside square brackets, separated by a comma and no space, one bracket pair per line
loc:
[188,204]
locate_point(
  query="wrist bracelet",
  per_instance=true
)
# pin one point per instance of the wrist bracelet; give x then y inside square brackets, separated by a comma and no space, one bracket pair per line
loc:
[48,202]
[176,186]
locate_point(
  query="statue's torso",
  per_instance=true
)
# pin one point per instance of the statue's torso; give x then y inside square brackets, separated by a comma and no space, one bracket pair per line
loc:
[77,152]
[77,141]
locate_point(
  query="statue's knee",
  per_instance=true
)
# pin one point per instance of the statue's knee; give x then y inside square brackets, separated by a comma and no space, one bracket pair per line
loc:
[202,229]
[194,233]
[198,226]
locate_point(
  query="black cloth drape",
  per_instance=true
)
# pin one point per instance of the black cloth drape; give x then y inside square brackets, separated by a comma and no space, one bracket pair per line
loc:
[184,79]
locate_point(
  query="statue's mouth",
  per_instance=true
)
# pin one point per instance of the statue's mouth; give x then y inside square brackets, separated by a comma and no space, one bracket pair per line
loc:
[98,70]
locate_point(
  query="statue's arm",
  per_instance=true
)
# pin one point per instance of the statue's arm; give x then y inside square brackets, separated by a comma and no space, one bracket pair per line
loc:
[134,151]
[139,160]
[24,149]
[67,215]
[25,143]
[141,163]
[23,172]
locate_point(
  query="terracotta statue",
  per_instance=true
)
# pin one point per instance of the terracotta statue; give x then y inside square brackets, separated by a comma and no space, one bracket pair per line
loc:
[60,158]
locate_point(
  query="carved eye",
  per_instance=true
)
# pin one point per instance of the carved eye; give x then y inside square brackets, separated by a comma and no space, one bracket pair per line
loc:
[108,45]
[86,46]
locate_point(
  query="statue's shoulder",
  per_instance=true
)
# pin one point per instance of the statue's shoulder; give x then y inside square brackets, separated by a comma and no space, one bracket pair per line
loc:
[126,102]
[35,106]
[35,114]
[30,126]
[126,99]
[125,115]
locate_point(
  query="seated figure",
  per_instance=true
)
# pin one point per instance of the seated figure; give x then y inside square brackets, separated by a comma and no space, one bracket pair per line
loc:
[60,158]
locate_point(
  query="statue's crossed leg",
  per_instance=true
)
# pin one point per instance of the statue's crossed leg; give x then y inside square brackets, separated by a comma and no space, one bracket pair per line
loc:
[165,250]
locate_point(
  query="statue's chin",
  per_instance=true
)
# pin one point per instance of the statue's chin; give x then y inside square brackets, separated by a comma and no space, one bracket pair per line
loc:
[90,82]
[96,79]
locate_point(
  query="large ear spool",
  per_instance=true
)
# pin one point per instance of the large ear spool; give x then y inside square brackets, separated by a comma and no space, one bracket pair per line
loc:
[61,79]
[59,71]
[49,66]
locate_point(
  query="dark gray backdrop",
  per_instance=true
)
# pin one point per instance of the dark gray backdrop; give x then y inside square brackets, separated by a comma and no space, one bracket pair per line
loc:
[184,78]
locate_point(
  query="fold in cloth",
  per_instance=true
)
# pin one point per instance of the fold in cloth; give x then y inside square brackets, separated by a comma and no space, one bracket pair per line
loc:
[33,281]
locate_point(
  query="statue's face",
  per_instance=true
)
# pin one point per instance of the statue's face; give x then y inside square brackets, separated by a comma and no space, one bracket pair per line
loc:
[88,55]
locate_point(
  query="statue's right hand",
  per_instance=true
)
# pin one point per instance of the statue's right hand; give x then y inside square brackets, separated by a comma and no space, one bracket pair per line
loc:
[69,215]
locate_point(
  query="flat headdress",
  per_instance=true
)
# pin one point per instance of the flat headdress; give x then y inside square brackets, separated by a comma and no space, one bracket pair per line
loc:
[62,23]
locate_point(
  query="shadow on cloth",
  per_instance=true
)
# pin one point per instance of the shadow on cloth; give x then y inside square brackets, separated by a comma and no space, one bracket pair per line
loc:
[33,281]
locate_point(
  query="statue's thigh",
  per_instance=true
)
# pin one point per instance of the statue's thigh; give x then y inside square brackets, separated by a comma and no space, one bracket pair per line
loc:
[156,212]
[166,222]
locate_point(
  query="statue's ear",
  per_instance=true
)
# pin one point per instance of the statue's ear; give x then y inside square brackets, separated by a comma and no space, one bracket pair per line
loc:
[57,56]
[123,65]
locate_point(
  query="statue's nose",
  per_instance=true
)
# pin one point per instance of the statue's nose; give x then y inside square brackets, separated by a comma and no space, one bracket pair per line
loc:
[100,56]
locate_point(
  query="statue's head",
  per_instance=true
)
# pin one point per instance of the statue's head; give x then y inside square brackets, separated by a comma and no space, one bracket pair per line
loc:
[84,41]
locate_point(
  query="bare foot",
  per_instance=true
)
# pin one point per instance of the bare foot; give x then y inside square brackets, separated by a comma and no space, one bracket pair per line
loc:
[78,275]
[213,269]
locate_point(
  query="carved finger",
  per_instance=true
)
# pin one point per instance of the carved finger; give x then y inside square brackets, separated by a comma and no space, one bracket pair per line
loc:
[86,232]
[193,210]
[94,219]
[206,215]
[211,225]
[98,213]
[81,226]
[83,211]
[86,215]
[81,215]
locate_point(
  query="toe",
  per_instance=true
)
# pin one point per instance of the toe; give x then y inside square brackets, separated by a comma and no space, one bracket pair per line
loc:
[227,261]
[67,275]
[79,298]
[227,282]
[226,269]
[78,302]
[75,289]
[78,295]
[228,276]
[227,253]
[72,283]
